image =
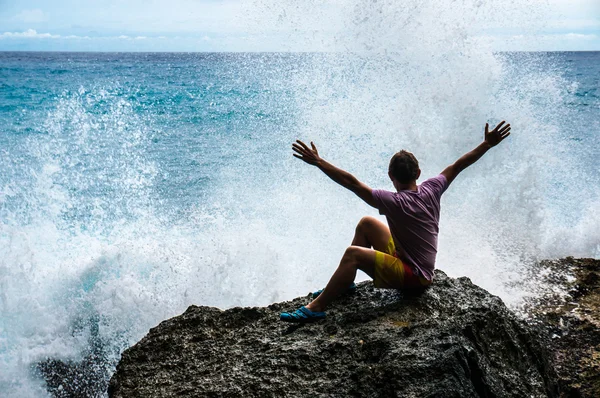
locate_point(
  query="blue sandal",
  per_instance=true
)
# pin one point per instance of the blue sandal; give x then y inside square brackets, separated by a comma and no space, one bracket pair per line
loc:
[302,315]
[351,289]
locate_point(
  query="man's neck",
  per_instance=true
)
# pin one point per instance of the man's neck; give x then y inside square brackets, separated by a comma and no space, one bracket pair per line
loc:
[411,186]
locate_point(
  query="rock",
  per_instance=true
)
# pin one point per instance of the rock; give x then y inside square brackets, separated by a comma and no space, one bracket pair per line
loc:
[452,340]
[573,323]
[66,379]
[85,378]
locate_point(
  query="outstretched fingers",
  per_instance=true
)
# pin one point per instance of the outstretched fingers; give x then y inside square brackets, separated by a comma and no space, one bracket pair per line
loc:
[499,125]
[499,133]
[303,145]
[304,153]
[302,149]
[504,132]
[504,129]
[297,148]
[314,148]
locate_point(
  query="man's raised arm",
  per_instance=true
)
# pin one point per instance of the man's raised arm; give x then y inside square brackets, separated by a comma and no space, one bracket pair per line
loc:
[491,139]
[345,179]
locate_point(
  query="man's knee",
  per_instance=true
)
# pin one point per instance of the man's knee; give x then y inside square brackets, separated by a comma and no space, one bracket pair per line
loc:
[366,223]
[357,257]
[351,255]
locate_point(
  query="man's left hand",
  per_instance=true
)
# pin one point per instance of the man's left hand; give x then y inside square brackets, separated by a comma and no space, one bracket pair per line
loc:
[303,152]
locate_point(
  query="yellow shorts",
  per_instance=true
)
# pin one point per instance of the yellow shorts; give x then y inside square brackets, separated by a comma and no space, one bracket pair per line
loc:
[392,273]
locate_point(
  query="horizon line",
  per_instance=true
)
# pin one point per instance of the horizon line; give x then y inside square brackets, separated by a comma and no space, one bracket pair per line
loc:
[257,52]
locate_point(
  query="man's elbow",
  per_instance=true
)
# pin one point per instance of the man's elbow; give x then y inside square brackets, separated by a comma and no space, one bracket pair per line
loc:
[451,172]
[363,192]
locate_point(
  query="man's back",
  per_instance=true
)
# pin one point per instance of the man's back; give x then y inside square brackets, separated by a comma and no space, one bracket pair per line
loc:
[413,217]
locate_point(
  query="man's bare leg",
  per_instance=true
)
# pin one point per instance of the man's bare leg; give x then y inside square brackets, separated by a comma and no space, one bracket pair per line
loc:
[370,232]
[354,258]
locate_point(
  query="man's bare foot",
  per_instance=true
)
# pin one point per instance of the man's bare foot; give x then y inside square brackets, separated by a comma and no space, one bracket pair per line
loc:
[315,307]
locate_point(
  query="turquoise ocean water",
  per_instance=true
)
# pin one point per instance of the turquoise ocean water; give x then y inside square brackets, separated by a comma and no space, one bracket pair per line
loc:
[133,185]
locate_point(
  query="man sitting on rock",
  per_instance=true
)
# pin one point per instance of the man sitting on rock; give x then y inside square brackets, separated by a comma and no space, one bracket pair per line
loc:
[403,255]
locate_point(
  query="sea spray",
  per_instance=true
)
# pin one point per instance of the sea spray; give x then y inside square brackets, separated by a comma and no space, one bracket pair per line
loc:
[127,196]
[420,75]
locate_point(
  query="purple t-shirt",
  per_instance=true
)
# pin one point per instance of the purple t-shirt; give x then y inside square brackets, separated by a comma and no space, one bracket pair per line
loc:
[413,217]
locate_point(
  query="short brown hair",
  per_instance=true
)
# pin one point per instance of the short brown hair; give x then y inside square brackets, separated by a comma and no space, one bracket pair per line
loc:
[404,167]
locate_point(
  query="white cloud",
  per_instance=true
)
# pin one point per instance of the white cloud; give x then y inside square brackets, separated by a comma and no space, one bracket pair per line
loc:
[74,37]
[33,34]
[28,34]
[580,36]
[31,16]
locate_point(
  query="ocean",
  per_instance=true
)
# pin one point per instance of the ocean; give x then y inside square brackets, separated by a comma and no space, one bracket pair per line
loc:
[133,185]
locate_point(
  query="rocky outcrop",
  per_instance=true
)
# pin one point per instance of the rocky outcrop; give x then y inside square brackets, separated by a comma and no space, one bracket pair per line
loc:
[572,322]
[452,340]
[84,378]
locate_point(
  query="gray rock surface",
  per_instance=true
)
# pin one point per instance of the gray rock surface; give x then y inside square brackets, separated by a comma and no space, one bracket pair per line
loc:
[572,321]
[453,340]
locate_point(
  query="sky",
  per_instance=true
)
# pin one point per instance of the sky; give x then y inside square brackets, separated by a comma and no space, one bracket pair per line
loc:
[238,25]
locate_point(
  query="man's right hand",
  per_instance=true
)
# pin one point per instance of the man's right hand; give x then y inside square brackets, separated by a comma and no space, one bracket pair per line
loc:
[491,138]
[494,137]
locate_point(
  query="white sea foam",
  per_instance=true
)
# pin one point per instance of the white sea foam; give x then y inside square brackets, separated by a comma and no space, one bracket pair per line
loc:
[413,77]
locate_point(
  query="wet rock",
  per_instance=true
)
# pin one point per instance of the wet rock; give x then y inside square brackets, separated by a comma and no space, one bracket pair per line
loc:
[452,340]
[572,323]
[70,379]
[84,378]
